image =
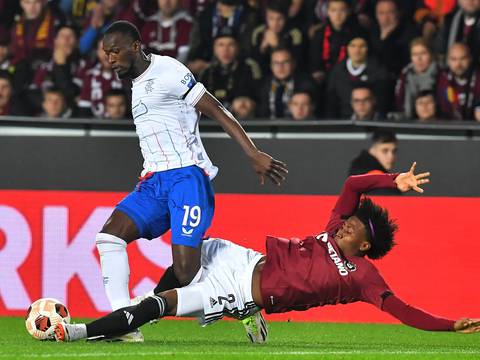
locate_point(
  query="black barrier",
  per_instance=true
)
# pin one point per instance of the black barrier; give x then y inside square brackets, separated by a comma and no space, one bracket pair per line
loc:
[94,155]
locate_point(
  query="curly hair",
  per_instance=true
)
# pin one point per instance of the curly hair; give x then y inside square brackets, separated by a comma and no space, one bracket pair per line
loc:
[380,228]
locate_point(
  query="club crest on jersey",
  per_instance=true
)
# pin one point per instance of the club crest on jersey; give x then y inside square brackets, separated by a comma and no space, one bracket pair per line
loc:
[188,80]
[213,302]
[149,86]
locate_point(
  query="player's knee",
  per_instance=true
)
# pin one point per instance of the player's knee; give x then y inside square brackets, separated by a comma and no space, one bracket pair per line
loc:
[106,242]
[185,272]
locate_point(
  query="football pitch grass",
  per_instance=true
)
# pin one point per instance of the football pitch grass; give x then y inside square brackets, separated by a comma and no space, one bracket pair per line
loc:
[170,339]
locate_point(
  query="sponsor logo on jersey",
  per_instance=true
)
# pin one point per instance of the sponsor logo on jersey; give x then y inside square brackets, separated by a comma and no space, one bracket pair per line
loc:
[188,80]
[342,268]
[139,110]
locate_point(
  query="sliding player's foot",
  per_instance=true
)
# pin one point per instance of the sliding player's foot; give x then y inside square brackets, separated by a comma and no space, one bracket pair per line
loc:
[135,336]
[69,332]
[256,328]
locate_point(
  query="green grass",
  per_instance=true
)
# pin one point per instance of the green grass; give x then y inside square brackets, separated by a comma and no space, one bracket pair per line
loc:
[171,339]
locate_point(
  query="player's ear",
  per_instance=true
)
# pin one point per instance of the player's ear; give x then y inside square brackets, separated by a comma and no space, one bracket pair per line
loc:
[137,45]
[365,246]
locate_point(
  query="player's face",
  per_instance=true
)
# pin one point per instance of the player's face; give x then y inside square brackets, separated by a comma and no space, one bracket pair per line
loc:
[459,60]
[352,237]
[421,58]
[385,153]
[337,12]
[121,53]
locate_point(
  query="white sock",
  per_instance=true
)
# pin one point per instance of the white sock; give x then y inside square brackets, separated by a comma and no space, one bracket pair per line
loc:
[76,331]
[115,269]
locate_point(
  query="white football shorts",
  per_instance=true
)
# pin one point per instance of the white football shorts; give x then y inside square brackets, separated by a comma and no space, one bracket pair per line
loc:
[225,287]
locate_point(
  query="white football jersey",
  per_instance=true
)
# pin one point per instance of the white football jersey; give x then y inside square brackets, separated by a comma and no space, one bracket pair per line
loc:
[163,100]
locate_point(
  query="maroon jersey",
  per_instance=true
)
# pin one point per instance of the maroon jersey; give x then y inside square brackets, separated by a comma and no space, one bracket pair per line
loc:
[96,83]
[300,274]
[168,36]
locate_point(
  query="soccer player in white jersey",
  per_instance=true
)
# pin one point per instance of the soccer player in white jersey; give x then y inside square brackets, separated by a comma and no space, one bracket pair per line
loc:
[174,191]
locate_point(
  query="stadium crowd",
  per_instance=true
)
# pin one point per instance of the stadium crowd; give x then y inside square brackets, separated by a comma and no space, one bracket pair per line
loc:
[269,59]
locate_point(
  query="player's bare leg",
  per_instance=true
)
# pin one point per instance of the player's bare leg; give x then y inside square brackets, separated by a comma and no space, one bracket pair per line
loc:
[118,231]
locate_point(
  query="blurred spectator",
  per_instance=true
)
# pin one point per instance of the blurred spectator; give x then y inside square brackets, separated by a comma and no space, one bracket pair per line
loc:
[391,37]
[33,33]
[461,25]
[458,87]
[329,43]
[5,59]
[116,104]
[229,76]
[96,82]
[364,103]
[358,67]
[425,106]
[379,158]
[77,11]
[102,15]
[54,104]
[420,74]
[8,103]
[277,89]
[6,90]
[167,32]
[224,13]
[58,72]
[243,108]
[276,32]
[8,9]
[301,106]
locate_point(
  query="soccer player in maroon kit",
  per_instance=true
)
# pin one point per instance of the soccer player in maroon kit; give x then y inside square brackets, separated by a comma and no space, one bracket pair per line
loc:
[326,269]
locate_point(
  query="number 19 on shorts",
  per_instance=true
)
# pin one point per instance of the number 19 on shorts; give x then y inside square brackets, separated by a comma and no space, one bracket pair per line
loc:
[191,218]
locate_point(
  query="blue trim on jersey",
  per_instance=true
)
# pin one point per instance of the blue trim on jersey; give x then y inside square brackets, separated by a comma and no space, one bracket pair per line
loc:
[181,200]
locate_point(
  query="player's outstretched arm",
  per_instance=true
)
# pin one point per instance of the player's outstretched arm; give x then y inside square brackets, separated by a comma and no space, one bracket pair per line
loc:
[263,164]
[409,181]
[467,326]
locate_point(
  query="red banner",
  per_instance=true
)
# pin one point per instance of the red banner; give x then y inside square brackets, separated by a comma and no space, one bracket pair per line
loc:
[47,249]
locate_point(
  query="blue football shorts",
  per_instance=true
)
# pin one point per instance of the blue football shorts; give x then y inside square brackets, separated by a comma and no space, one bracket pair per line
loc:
[179,199]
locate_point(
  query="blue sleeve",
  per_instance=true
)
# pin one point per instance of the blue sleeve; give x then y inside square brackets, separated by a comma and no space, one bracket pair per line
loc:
[87,40]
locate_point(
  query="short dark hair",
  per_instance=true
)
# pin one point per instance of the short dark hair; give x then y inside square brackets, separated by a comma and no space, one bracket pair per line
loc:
[380,228]
[382,136]
[116,92]
[425,93]
[279,6]
[363,85]
[125,28]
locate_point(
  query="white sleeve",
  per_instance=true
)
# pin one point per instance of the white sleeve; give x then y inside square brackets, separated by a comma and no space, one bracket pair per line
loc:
[181,83]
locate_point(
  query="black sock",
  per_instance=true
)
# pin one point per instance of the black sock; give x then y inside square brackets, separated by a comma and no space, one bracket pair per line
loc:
[129,318]
[168,281]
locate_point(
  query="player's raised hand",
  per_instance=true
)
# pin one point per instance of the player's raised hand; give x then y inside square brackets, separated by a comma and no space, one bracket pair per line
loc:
[409,181]
[467,326]
[266,166]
